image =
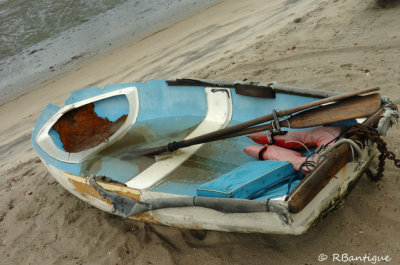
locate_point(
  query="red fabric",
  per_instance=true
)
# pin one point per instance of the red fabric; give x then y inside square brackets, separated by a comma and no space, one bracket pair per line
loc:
[282,146]
[275,152]
[260,138]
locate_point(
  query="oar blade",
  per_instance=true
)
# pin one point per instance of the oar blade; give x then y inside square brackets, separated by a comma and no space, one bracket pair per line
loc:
[352,108]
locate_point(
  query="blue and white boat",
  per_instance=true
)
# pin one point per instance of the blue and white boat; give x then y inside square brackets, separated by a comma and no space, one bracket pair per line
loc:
[213,186]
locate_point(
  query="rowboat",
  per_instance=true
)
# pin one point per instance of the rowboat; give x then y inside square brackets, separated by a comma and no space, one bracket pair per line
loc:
[103,146]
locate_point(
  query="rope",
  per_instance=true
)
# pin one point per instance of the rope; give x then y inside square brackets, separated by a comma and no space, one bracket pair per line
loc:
[287,140]
[307,165]
[324,152]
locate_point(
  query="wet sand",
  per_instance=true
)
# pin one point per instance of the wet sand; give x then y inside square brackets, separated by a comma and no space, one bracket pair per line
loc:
[328,45]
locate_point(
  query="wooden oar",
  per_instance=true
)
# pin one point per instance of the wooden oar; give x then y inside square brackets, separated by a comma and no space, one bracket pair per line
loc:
[352,108]
[239,127]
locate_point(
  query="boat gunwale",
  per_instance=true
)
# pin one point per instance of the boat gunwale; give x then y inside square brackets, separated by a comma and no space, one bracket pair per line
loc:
[275,86]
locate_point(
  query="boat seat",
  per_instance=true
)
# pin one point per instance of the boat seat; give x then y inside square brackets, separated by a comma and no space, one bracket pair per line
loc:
[250,181]
[219,114]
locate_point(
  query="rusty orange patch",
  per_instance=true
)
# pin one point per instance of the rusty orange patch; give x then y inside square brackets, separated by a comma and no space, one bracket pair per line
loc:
[81,128]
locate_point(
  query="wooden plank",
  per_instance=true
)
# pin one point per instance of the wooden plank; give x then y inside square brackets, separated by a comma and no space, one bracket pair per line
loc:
[113,187]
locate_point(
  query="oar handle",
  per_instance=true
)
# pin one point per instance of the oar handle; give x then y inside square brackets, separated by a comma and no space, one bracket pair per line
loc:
[145,152]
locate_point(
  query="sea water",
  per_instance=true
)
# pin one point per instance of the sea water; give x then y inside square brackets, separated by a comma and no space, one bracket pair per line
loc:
[41,38]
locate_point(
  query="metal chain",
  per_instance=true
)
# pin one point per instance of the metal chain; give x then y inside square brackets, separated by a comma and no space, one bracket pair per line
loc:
[372,134]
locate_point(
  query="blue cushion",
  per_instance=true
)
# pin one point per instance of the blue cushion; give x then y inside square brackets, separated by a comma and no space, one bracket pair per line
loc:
[276,191]
[246,180]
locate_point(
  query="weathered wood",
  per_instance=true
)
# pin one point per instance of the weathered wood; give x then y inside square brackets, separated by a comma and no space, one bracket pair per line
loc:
[299,91]
[306,191]
[254,91]
[352,108]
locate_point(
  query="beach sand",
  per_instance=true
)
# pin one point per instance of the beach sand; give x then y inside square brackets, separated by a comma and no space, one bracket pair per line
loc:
[328,45]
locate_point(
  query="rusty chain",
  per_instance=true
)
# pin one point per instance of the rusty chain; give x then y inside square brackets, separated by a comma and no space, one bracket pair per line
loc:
[371,133]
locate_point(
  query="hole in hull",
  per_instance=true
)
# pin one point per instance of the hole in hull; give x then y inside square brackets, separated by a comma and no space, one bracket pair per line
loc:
[82,128]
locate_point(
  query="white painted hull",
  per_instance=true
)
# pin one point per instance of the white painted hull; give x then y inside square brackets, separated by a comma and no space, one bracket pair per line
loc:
[328,199]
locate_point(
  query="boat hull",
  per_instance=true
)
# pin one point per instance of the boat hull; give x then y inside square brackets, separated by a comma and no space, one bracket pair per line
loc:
[163,191]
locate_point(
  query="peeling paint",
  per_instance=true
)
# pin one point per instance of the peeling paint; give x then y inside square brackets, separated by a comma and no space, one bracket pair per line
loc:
[87,191]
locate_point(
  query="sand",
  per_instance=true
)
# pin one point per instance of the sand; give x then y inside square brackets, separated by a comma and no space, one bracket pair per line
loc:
[329,45]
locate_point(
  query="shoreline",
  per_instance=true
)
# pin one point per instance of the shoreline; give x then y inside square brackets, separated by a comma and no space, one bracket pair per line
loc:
[326,45]
[128,22]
